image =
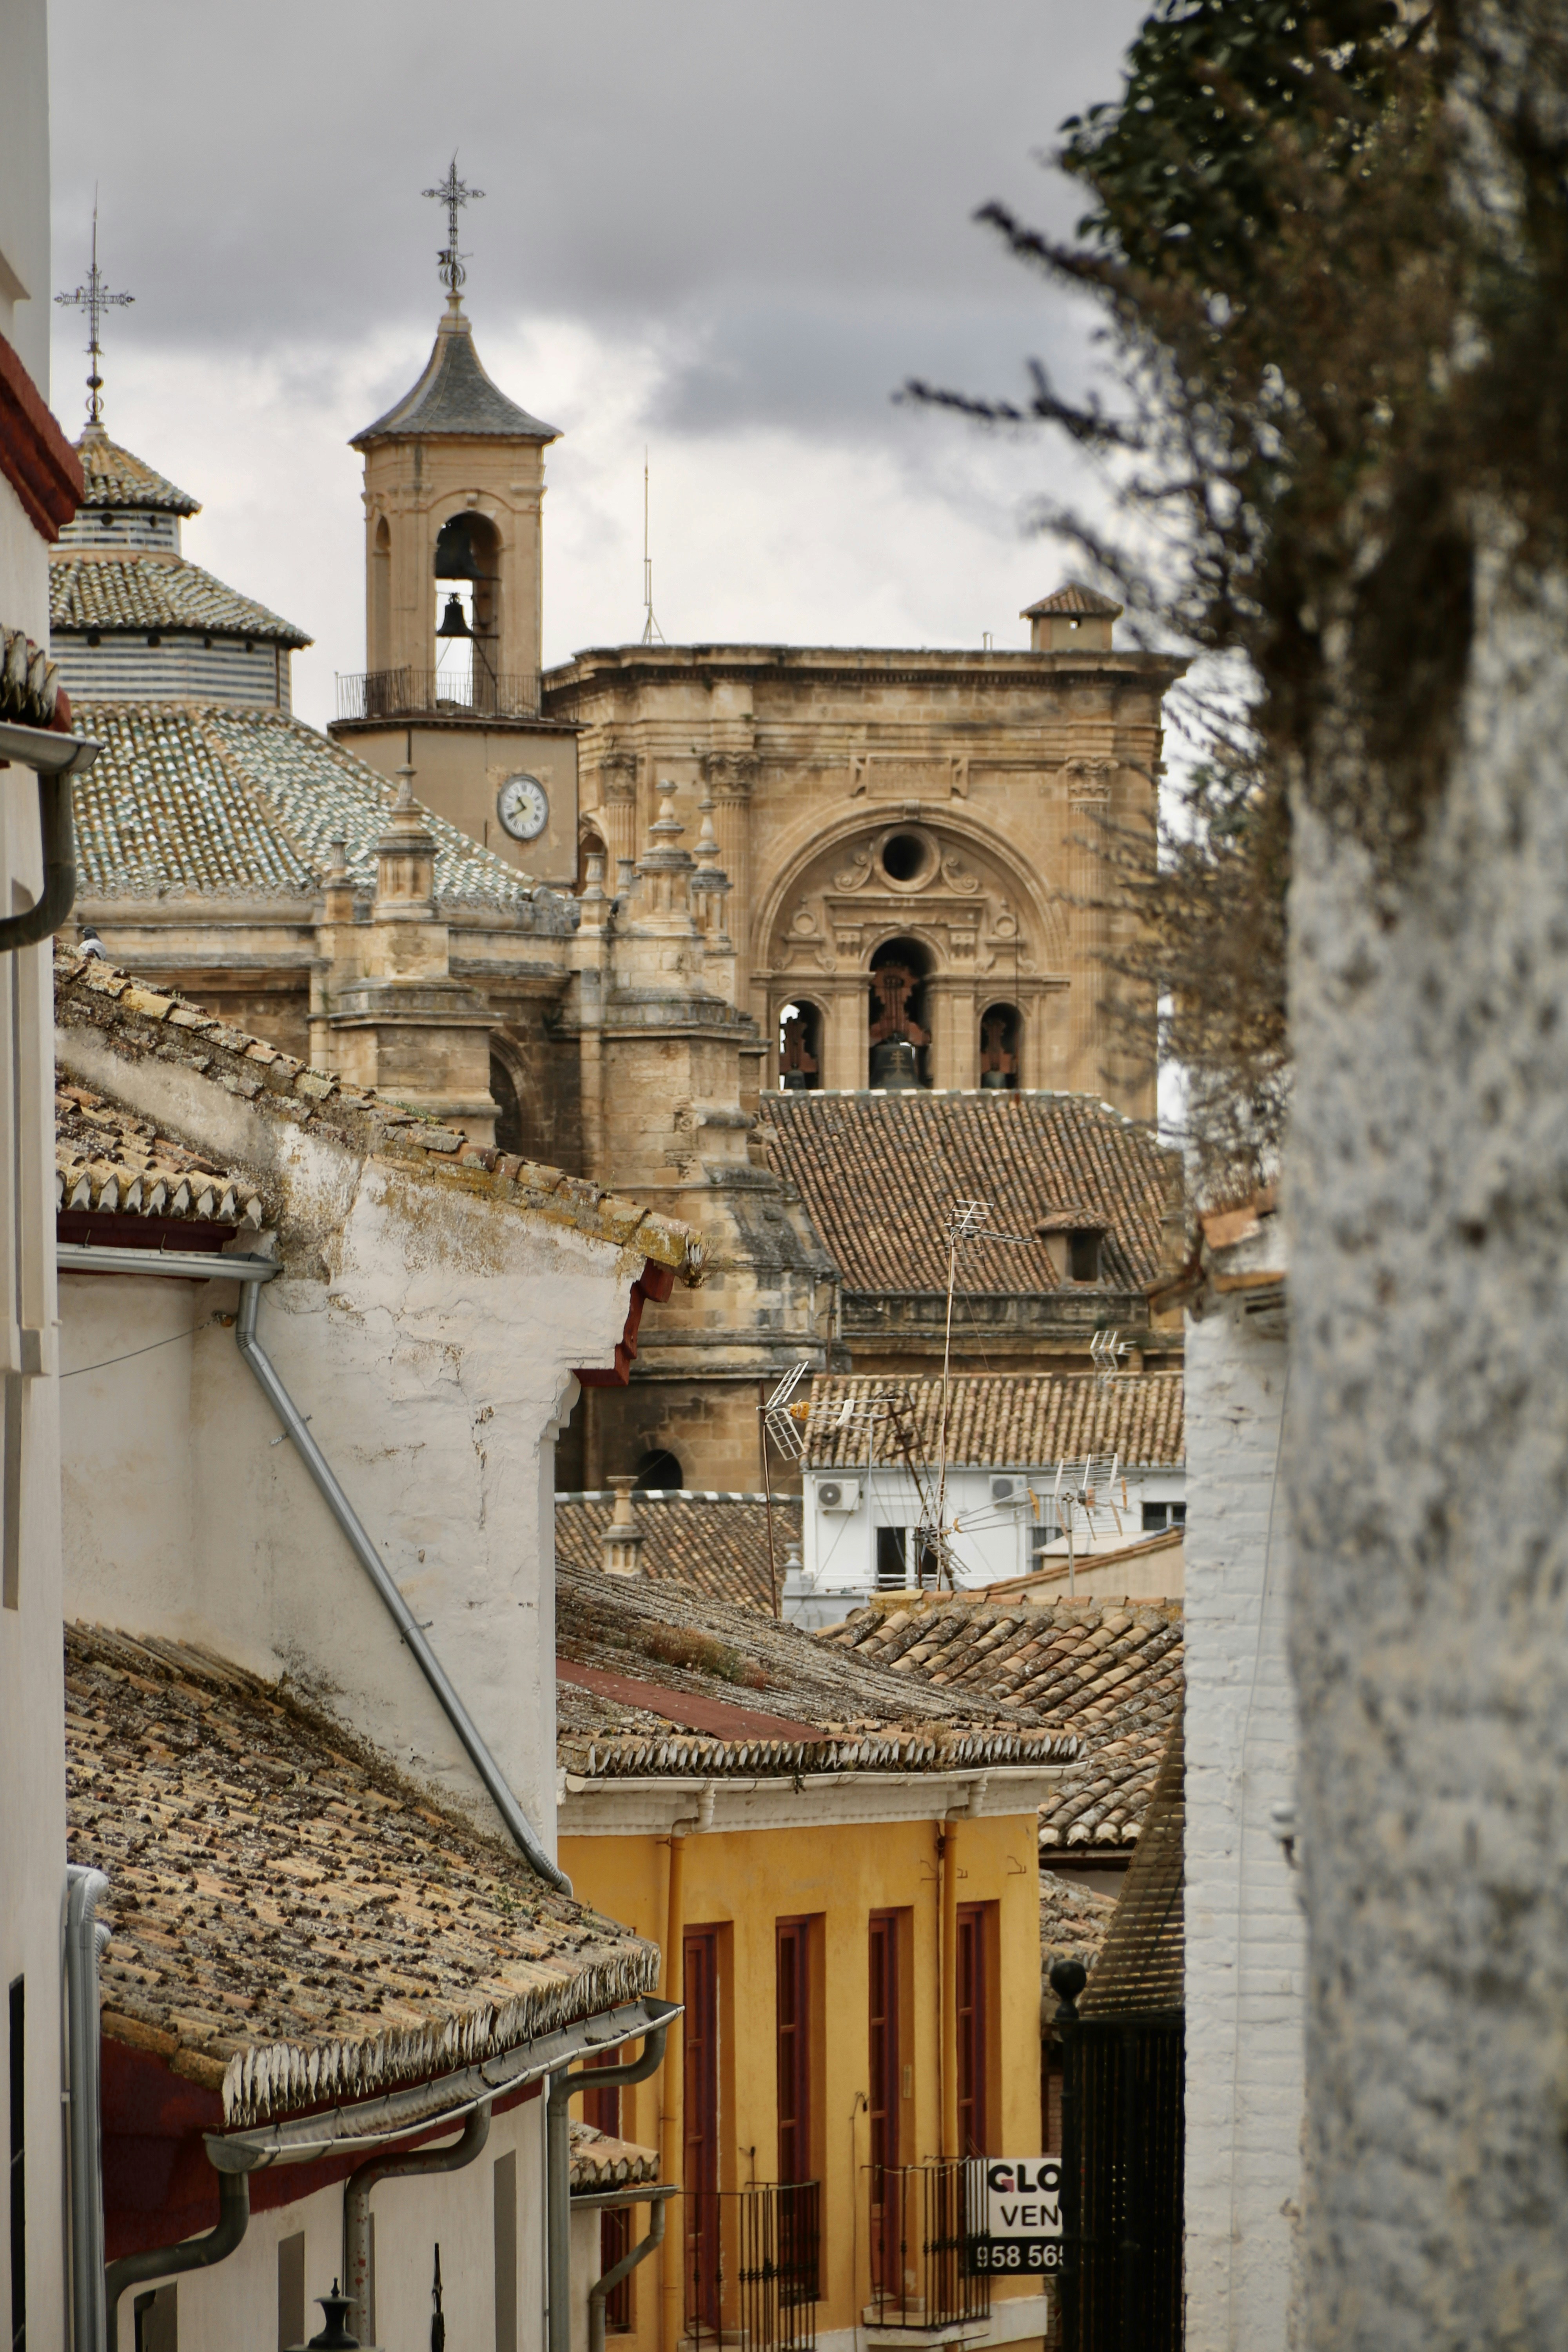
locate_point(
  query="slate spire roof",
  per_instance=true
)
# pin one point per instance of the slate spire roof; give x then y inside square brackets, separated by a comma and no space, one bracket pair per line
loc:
[454,397]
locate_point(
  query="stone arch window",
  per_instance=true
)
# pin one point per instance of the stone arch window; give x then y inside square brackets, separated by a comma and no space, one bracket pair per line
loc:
[659,1471]
[800,1046]
[507,1099]
[1001,1037]
[381,596]
[900,1035]
[467,611]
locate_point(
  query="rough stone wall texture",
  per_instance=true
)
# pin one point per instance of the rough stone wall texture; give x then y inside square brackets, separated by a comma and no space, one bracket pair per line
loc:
[1428,1471]
[1245,1932]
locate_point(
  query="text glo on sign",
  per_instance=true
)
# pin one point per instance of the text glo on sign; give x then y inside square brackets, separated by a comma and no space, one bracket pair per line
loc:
[1022,2214]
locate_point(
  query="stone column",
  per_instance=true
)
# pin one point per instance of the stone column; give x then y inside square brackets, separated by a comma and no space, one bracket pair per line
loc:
[846,1051]
[623,1537]
[1088,806]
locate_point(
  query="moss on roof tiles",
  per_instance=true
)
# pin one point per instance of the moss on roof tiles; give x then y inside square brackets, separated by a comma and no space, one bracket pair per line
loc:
[293,1921]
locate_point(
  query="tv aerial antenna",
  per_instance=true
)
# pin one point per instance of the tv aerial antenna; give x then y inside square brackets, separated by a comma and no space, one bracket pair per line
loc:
[652,635]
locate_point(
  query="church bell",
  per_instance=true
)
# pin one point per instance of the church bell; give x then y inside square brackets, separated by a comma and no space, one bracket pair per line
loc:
[893,1065]
[455,558]
[453,624]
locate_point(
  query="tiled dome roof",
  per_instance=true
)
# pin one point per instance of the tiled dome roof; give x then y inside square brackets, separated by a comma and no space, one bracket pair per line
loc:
[115,477]
[153,591]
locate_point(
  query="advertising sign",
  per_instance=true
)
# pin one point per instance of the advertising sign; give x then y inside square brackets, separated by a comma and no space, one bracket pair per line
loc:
[1019,2214]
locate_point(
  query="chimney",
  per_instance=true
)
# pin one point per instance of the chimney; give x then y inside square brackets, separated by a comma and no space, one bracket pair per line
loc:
[623,1537]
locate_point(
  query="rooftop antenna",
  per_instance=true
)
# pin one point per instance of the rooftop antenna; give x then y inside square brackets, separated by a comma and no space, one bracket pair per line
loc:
[652,635]
[454,193]
[94,297]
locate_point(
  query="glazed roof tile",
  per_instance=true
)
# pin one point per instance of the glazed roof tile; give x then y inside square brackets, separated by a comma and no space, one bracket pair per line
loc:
[729,1658]
[109,1162]
[1073,598]
[135,1022]
[1109,1671]
[293,1921]
[455,397]
[716,1544]
[880,1172]
[1003,1419]
[114,477]
[134,593]
[212,799]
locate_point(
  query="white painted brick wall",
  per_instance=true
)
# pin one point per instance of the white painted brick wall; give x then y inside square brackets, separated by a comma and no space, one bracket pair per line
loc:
[1244,1933]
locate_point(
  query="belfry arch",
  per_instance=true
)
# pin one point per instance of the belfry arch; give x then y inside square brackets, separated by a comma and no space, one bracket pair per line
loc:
[939,895]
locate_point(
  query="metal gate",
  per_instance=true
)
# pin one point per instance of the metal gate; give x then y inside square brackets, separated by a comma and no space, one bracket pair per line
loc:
[1123,2084]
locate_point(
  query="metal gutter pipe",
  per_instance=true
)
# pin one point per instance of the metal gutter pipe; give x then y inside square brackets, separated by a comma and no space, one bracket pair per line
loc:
[190,2255]
[518,1824]
[605,2286]
[85,1938]
[55,758]
[357,2203]
[193,1265]
[558,2168]
[425,2106]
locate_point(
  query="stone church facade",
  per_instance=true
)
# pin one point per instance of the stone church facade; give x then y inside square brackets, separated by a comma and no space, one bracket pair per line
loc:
[597,916]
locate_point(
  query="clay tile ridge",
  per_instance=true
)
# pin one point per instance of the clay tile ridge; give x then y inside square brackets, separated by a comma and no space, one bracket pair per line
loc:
[134,1021]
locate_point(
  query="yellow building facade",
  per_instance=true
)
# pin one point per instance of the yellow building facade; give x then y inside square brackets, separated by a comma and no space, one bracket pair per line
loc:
[852,1924]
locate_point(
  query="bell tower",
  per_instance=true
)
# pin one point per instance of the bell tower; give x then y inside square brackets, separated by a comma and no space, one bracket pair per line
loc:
[454,492]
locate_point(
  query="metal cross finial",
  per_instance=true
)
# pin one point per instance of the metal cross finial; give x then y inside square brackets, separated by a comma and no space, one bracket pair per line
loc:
[93,297]
[454,193]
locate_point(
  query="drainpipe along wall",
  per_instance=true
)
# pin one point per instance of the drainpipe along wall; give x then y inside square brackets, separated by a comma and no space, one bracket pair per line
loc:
[671,2266]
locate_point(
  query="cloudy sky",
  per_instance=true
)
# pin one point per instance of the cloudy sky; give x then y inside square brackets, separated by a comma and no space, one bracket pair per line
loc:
[722,231]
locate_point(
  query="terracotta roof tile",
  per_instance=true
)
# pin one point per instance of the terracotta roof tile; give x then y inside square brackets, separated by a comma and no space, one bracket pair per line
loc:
[114,477]
[878,1173]
[1110,1671]
[293,1921]
[212,799]
[675,1639]
[717,1544]
[108,1161]
[599,2162]
[92,997]
[1072,598]
[1004,1419]
[1074,1920]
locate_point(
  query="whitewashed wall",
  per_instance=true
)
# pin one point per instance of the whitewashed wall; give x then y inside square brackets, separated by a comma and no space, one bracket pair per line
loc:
[431,1335]
[1245,1934]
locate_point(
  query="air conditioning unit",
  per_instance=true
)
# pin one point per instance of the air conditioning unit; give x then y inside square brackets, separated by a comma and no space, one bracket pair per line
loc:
[1001,1489]
[838,1494]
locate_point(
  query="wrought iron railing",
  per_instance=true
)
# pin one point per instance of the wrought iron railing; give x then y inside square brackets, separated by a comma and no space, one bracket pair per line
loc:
[922,2217]
[753,2265]
[422,693]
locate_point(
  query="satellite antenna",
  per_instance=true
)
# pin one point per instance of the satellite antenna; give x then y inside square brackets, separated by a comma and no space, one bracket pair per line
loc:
[652,635]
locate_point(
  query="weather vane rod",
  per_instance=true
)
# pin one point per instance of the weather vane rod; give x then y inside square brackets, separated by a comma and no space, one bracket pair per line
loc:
[94,297]
[454,193]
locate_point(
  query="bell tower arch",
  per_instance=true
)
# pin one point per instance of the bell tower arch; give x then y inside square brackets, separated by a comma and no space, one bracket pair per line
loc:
[453,496]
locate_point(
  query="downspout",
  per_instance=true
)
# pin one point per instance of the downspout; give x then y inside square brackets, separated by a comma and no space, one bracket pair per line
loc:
[672,2089]
[605,2287]
[558,2172]
[85,1938]
[356,2202]
[518,1824]
[55,758]
[948,1992]
[190,2255]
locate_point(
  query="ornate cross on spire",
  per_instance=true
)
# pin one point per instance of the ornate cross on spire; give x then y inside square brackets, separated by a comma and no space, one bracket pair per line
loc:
[454,193]
[94,297]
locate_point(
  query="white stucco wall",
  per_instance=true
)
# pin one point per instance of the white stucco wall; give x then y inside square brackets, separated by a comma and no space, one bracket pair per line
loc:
[1245,1932]
[431,1335]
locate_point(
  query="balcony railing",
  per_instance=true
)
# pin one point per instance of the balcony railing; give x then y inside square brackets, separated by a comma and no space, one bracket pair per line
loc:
[753,2262]
[922,2217]
[428,693]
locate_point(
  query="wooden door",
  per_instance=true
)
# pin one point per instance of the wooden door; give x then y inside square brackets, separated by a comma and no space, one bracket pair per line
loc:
[699,2171]
[795,2024]
[886,2086]
[974,2048]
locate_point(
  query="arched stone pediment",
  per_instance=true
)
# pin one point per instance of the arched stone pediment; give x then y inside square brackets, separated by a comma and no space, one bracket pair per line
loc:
[948,880]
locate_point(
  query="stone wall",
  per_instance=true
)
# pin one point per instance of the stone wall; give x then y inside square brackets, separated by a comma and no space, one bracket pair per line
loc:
[1244,1933]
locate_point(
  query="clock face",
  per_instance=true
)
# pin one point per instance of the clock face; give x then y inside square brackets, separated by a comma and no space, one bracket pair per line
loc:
[522,805]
